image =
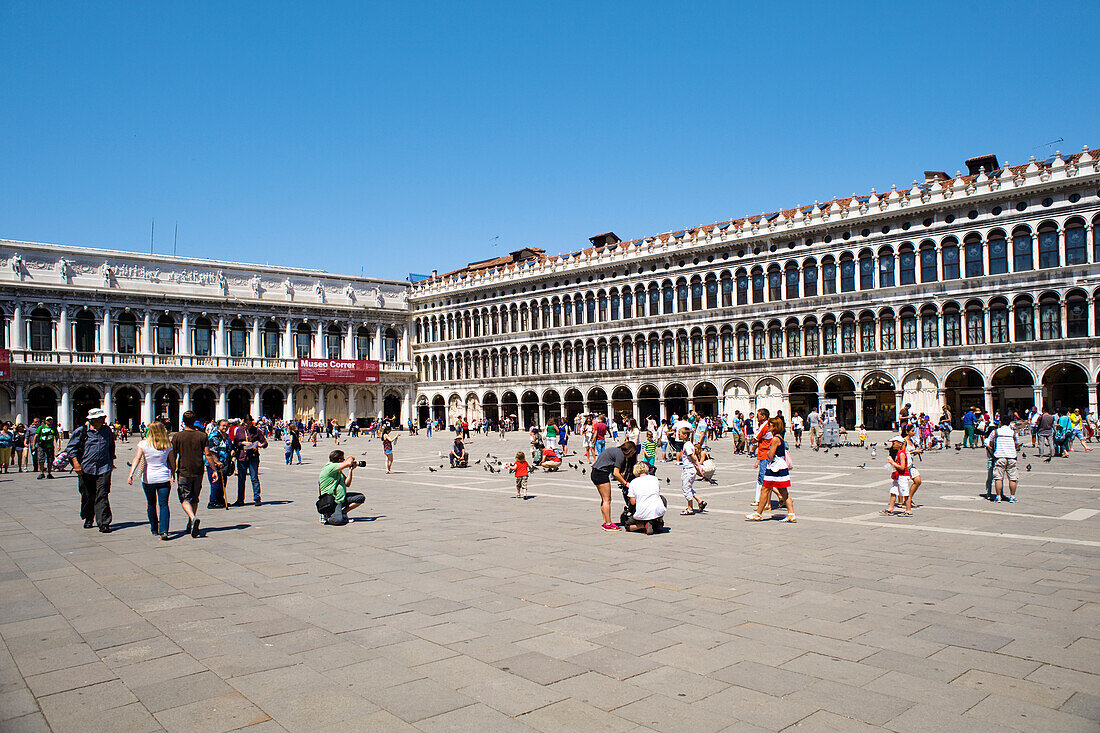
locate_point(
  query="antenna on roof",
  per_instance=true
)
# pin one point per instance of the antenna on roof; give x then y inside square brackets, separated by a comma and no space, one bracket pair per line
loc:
[175,236]
[1049,145]
[493,242]
[152,226]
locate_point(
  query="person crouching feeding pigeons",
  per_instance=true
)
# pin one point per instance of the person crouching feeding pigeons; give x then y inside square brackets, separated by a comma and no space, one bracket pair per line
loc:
[335,501]
[649,507]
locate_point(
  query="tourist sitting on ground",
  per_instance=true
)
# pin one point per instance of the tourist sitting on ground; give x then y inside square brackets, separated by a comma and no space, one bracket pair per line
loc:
[459,457]
[645,505]
[551,461]
[332,482]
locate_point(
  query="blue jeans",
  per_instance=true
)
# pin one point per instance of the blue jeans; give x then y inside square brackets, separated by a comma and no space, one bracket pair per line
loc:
[251,466]
[157,496]
[599,445]
[217,487]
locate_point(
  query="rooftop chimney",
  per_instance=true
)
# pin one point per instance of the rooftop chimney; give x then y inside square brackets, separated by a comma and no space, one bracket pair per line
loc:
[989,162]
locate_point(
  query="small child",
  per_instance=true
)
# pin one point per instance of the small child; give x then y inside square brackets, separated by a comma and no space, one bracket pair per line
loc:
[690,469]
[649,452]
[288,452]
[644,495]
[862,436]
[899,489]
[521,469]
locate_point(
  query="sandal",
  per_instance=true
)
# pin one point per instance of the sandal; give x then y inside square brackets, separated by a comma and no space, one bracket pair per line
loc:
[789,518]
[886,513]
[702,506]
[754,517]
[686,513]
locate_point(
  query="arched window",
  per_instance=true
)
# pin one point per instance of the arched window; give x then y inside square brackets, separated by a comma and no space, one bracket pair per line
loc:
[655,351]
[975,257]
[712,293]
[828,276]
[557,315]
[545,316]
[696,348]
[929,327]
[809,278]
[602,300]
[952,325]
[949,254]
[389,345]
[727,346]
[998,321]
[975,324]
[668,298]
[41,328]
[1048,247]
[866,270]
[793,339]
[628,301]
[166,335]
[848,334]
[811,337]
[886,267]
[1023,317]
[616,355]
[907,264]
[1050,317]
[998,253]
[828,335]
[847,273]
[640,353]
[682,348]
[1075,242]
[616,305]
[590,354]
[362,343]
[271,340]
[775,283]
[697,296]
[333,337]
[775,341]
[1077,314]
[712,347]
[1021,250]
[742,345]
[669,348]
[682,298]
[758,345]
[303,340]
[908,323]
[742,287]
[928,267]
[202,337]
[655,299]
[238,338]
[1096,242]
[757,285]
[727,287]
[84,329]
[603,356]
[889,339]
[866,332]
[792,278]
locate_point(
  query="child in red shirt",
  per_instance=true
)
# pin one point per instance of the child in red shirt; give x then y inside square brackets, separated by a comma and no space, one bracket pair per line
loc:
[522,469]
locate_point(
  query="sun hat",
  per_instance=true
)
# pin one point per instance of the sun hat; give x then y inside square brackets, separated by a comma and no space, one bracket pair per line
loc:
[96,412]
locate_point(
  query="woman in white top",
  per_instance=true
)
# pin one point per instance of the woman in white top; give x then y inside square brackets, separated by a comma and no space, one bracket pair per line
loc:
[644,496]
[154,457]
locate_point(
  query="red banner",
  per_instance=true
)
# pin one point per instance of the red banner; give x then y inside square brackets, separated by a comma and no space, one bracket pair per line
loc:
[331,371]
[5,364]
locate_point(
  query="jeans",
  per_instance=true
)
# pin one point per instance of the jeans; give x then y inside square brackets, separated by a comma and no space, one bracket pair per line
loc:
[217,486]
[157,496]
[94,497]
[599,446]
[249,464]
[1059,447]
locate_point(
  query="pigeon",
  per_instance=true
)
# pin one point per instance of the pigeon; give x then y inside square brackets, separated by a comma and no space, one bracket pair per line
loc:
[488,455]
[862,465]
[583,472]
[668,480]
[431,469]
[958,447]
[477,462]
[1028,467]
[1023,455]
[837,455]
[440,453]
[874,452]
[441,465]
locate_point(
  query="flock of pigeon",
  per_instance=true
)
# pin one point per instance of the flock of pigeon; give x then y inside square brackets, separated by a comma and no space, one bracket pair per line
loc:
[873,447]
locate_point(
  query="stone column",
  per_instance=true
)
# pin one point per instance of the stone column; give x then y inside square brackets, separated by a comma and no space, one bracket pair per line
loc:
[403,353]
[288,341]
[147,405]
[1090,304]
[65,414]
[859,408]
[349,341]
[222,409]
[352,406]
[1093,401]
[147,337]
[63,339]
[185,399]
[321,397]
[1037,395]
[107,338]
[378,342]
[406,407]
[899,402]
[219,345]
[256,402]
[18,335]
[989,400]
[108,403]
[254,349]
[185,335]
[20,408]
[288,405]
[319,351]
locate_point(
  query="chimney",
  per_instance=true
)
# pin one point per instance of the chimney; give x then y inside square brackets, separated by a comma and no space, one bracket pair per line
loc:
[435,274]
[931,177]
[989,162]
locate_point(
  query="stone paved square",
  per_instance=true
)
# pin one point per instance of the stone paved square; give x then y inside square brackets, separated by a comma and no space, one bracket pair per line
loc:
[448,605]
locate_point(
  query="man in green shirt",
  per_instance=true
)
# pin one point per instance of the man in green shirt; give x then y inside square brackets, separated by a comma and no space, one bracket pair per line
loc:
[333,481]
[44,436]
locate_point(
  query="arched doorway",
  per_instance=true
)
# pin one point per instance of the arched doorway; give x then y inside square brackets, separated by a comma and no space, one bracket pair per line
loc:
[84,330]
[841,389]
[439,409]
[963,389]
[391,408]
[529,410]
[597,401]
[649,403]
[166,407]
[802,395]
[574,403]
[676,400]
[271,404]
[423,411]
[41,403]
[705,398]
[128,407]
[1013,391]
[769,396]
[490,407]
[239,404]
[879,402]
[509,407]
[1065,387]
[84,400]
[622,403]
[204,404]
[336,405]
[736,397]
[551,404]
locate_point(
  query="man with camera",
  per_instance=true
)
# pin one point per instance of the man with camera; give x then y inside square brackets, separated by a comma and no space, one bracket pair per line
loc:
[335,501]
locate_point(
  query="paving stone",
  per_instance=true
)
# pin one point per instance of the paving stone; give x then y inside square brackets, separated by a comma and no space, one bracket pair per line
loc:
[472,717]
[1023,715]
[418,699]
[513,695]
[672,715]
[763,678]
[677,683]
[16,704]
[850,702]
[539,668]
[213,715]
[996,684]
[574,715]
[33,723]
[829,668]
[181,691]
[70,678]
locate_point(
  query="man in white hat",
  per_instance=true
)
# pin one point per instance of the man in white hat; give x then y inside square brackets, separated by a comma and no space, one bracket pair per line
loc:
[92,452]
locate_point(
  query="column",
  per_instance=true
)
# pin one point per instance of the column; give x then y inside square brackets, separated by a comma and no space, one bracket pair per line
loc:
[147,337]
[254,347]
[406,407]
[222,408]
[1090,304]
[17,329]
[255,402]
[1037,395]
[65,415]
[351,401]
[349,342]
[321,397]
[859,408]
[20,408]
[319,350]
[288,341]
[185,400]
[63,339]
[288,406]
[107,337]
[542,414]
[219,345]
[899,402]
[989,401]
[108,404]
[185,335]
[377,354]
[1093,401]
[147,405]
[404,353]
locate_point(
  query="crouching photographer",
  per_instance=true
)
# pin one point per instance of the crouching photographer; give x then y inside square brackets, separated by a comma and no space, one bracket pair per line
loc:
[335,501]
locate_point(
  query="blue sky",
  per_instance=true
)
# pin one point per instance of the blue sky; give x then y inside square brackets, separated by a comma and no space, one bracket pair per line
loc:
[396,137]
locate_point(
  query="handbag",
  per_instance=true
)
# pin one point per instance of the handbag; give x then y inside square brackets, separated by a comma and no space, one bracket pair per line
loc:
[326,505]
[787,457]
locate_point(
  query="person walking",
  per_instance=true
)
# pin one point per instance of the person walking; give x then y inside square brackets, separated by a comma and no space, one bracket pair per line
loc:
[777,475]
[154,458]
[691,468]
[190,450]
[248,441]
[1045,433]
[91,450]
[43,445]
[1005,444]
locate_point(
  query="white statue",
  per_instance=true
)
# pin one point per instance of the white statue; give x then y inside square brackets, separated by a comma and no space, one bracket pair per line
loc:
[64,269]
[18,266]
[349,292]
[108,273]
[257,288]
[319,288]
[223,282]
[289,287]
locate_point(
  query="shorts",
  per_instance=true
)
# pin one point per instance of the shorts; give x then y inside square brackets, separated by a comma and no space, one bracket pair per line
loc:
[388,452]
[1034,429]
[600,476]
[913,474]
[1004,469]
[188,488]
[521,484]
[815,432]
[900,487]
[44,455]
[797,432]
[5,456]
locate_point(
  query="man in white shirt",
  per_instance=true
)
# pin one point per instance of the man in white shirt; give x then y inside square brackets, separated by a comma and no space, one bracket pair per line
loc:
[1004,443]
[644,494]
[814,420]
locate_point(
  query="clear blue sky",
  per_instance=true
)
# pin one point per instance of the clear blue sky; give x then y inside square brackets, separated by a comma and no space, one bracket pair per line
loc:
[398,137]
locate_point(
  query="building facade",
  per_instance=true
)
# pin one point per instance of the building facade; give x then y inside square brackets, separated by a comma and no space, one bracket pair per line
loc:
[974,289]
[151,335]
